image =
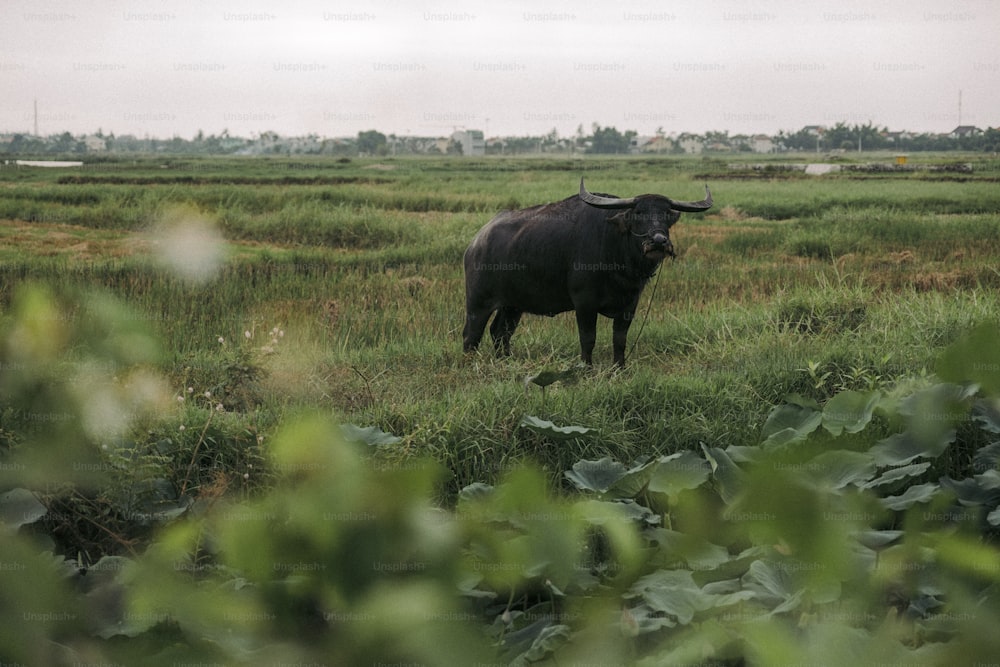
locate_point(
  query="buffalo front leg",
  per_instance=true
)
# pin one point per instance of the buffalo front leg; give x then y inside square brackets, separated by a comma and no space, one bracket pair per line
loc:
[586,323]
[620,326]
[503,328]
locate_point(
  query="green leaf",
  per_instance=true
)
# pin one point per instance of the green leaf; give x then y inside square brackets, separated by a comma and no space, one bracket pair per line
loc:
[548,640]
[368,435]
[771,583]
[19,507]
[978,490]
[679,472]
[901,448]
[974,358]
[877,539]
[987,458]
[987,412]
[699,554]
[896,474]
[920,493]
[474,492]
[849,411]
[729,479]
[549,376]
[993,518]
[676,593]
[790,423]
[597,476]
[545,427]
[634,480]
[837,468]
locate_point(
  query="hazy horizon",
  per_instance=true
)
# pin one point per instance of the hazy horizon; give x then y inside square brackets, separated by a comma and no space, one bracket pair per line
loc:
[334,69]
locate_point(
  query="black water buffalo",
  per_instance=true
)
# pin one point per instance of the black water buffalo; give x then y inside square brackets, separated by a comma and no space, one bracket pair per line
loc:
[592,253]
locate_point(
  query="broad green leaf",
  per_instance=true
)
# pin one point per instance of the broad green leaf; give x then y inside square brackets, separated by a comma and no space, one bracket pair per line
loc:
[676,593]
[768,581]
[877,539]
[790,423]
[545,427]
[896,474]
[901,448]
[849,411]
[987,458]
[597,476]
[920,493]
[975,358]
[699,554]
[547,641]
[993,518]
[679,472]
[931,416]
[599,512]
[475,491]
[837,468]
[634,480]
[987,412]
[978,490]
[729,478]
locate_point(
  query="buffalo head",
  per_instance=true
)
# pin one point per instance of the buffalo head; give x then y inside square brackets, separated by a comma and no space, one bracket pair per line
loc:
[647,217]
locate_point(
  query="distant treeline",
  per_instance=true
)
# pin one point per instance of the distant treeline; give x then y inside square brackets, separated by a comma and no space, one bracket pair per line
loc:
[601,140]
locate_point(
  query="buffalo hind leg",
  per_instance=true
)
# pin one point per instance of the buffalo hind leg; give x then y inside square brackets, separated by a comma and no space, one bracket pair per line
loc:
[475,325]
[503,328]
[586,323]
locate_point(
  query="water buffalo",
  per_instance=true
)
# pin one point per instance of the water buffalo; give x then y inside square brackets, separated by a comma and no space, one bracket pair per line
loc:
[592,253]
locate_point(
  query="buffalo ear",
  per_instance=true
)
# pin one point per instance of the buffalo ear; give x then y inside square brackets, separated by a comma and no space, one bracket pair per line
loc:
[621,220]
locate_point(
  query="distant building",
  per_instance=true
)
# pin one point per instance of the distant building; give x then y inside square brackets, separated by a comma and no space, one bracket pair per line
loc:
[472,142]
[963,131]
[761,143]
[691,144]
[654,144]
[95,144]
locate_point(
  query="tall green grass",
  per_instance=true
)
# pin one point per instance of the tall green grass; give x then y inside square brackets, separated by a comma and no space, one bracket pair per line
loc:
[864,279]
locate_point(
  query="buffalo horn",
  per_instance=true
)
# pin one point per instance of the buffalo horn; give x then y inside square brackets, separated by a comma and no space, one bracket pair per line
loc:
[693,206]
[604,202]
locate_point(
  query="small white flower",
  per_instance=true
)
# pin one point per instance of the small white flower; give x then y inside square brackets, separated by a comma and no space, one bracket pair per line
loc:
[181,427]
[246,476]
[208,394]
[221,339]
[190,390]
[247,334]
[219,408]
[180,399]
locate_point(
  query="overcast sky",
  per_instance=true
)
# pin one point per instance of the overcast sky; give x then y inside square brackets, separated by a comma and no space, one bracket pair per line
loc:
[334,68]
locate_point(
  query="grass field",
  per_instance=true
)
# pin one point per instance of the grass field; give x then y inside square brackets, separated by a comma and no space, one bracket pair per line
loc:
[797,466]
[864,277]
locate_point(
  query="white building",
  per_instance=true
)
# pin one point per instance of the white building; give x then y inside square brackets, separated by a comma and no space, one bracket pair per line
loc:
[471,141]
